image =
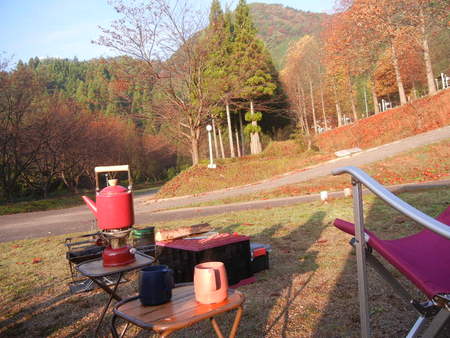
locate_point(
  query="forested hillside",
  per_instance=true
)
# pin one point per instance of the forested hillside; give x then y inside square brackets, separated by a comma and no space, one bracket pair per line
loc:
[278,26]
[61,118]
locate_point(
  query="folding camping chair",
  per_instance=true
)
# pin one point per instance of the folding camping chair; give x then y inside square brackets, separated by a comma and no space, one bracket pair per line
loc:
[423,258]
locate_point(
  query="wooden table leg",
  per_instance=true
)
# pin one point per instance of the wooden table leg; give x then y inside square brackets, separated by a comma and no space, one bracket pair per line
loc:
[111,296]
[166,333]
[216,327]
[236,322]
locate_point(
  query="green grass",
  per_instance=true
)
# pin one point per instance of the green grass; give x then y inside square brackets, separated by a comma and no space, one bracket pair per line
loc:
[309,290]
[60,202]
[41,205]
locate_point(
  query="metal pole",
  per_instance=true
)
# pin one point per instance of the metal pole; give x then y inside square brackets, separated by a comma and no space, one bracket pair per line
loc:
[360,246]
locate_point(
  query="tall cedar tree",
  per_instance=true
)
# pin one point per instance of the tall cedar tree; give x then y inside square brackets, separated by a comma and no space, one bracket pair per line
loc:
[252,64]
[219,72]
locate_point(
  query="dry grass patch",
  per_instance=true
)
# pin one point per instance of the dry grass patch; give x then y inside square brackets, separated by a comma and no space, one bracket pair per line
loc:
[236,172]
[425,164]
[309,290]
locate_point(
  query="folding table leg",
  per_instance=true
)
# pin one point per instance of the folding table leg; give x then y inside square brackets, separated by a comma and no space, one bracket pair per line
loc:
[216,327]
[114,330]
[113,326]
[111,296]
[107,289]
[237,320]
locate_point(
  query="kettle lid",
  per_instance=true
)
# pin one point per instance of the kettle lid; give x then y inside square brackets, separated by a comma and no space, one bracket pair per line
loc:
[113,190]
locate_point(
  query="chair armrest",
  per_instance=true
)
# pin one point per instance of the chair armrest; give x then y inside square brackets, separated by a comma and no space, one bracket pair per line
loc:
[395,202]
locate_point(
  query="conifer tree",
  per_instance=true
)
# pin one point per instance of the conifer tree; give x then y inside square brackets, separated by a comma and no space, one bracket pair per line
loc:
[219,73]
[253,67]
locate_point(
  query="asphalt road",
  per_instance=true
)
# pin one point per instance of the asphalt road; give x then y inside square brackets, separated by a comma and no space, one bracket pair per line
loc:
[56,222]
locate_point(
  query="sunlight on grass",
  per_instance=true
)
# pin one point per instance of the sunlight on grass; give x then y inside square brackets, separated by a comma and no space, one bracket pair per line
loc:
[424,164]
[311,282]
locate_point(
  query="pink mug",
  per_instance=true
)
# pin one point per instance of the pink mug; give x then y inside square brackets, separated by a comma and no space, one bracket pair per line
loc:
[210,282]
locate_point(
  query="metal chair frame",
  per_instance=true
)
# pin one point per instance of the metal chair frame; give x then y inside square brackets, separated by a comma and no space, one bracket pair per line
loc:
[438,309]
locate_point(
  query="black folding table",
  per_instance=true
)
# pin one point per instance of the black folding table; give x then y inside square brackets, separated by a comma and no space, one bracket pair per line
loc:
[95,271]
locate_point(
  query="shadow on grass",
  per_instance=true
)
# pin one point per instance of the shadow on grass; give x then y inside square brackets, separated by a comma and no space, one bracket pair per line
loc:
[270,301]
[64,314]
[390,315]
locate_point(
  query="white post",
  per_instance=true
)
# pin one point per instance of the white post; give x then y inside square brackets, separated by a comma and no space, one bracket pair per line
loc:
[211,160]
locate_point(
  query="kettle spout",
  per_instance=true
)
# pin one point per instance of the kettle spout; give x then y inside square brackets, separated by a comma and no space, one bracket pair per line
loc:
[91,204]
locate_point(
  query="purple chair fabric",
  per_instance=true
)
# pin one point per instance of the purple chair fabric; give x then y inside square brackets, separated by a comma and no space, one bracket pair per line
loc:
[424,258]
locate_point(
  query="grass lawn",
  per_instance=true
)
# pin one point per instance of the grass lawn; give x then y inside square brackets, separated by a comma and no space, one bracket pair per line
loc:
[424,164]
[60,202]
[309,290]
[240,171]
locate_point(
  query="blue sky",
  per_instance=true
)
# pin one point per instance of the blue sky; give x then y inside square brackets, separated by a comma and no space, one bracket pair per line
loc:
[65,28]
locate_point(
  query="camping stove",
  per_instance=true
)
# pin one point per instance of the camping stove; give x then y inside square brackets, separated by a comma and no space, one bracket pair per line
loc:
[115,217]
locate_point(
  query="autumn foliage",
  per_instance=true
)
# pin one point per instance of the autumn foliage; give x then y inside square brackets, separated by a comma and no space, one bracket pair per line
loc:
[417,117]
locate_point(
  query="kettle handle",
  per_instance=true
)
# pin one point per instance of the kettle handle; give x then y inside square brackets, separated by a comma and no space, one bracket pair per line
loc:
[112,168]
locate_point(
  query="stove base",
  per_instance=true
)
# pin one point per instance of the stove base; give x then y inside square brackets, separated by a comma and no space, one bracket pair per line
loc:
[117,257]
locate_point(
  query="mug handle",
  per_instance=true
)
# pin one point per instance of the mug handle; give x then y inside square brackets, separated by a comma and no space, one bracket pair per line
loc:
[212,280]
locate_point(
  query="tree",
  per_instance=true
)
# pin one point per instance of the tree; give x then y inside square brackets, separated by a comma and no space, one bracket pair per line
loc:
[158,30]
[18,142]
[219,71]
[303,70]
[253,67]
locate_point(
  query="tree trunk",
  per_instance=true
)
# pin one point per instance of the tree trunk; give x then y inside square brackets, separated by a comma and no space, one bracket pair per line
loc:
[304,112]
[242,135]
[352,100]
[401,89]
[255,144]
[426,56]
[376,108]
[222,151]
[313,109]
[230,132]
[216,148]
[236,133]
[338,107]
[194,147]
[299,112]
[323,105]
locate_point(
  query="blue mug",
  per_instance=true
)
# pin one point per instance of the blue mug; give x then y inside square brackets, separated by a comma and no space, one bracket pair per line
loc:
[155,285]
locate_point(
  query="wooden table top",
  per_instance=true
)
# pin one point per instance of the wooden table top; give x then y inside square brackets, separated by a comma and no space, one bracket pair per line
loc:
[95,268]
[182,311]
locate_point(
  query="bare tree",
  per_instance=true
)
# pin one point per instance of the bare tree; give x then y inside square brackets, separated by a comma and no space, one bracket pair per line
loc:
[163,35]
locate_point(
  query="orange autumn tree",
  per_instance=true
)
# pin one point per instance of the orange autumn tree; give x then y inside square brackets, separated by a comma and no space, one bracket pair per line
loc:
[302,77]
[380,20]
[422,18]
